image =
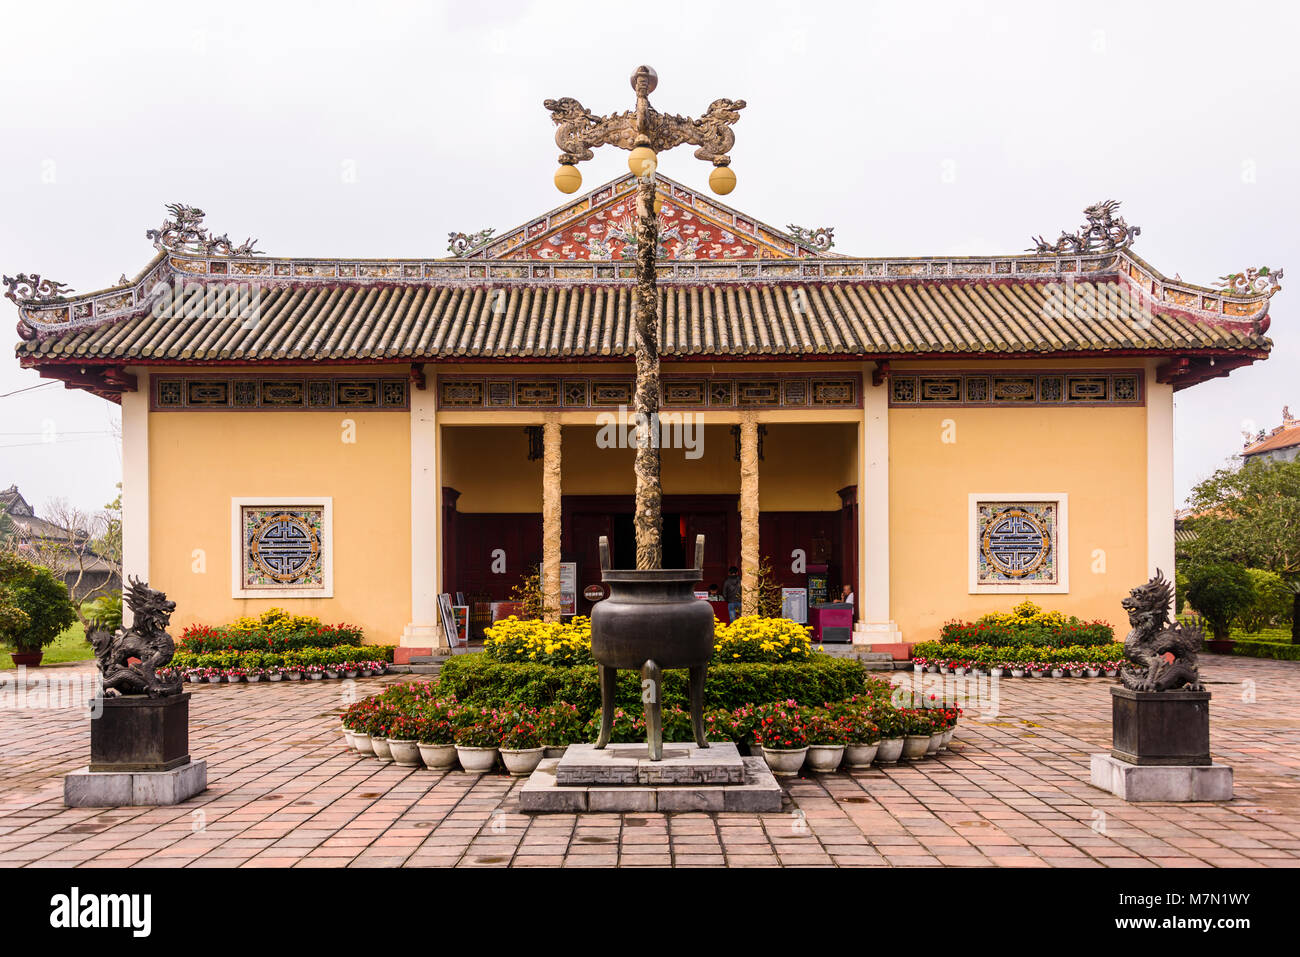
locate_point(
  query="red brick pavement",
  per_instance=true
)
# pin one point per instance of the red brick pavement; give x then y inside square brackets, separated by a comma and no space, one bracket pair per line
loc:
[284,791]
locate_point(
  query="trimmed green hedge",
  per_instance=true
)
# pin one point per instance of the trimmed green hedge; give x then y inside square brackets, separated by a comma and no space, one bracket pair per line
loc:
[477,679]
[276,659]
[1266,649]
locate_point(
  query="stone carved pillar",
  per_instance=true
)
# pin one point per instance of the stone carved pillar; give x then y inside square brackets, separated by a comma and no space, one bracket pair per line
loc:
[749,513]
[551,515]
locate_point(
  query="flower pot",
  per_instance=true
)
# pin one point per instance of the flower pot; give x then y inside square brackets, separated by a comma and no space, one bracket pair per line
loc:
[936,743]
[214,679]
[553,751]
[331,674]
[1038,672]
[1058,673]
[27,659]
[364,673]
[347,736]
[382,750]
[943,669]
[316,676]
[995,672]
[276,676]
[919,669]
[1076,672]
[476,759]
[947,738]
[933,669]
[1017,672]
[860,755]
[363,742]
[784,761]
[825,758]
[1112,672]
[349,674]
[1093,672]
[520,761]
[889,750]
[405,751]
[194,679]
[294,676]
[438,757]
[914,746]
[252,679]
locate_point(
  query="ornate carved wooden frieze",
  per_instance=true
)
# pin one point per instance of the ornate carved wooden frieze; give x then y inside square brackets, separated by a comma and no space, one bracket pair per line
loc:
[1111,387]
[272,393]
[679,391]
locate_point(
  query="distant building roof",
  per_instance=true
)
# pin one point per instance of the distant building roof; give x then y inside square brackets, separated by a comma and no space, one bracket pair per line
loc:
[1285,436]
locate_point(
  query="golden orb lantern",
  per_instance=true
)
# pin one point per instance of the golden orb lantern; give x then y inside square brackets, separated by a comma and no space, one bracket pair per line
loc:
[568,179]
[642,161]
[722,180]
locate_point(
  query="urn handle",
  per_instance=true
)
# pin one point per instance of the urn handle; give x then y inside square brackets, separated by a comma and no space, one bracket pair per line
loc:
[604,553]
[699,553]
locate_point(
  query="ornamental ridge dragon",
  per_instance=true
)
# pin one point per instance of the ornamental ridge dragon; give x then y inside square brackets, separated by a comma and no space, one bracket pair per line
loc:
[1163,651]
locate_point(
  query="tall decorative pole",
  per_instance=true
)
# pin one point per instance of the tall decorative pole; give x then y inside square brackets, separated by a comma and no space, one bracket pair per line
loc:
[645,132]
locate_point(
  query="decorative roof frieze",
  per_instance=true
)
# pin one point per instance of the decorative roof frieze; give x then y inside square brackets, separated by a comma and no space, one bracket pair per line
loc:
[183,232]
[1103,231]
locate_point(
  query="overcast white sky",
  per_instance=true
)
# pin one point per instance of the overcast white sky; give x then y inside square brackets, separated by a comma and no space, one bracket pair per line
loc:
[374,129]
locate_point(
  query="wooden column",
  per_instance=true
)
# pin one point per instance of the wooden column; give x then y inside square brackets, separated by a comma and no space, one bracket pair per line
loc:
[749,513]
[551,515]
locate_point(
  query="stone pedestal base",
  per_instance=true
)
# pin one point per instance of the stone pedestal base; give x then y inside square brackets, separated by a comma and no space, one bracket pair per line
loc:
[1160,727]
[1161,782]
[137,733]
[87,788]
[719,763]
[757,792]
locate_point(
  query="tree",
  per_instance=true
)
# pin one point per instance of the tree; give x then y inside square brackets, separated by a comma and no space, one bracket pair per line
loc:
[72,554]
[1251,517]
[1220,592]
[41,599]
[1273,600]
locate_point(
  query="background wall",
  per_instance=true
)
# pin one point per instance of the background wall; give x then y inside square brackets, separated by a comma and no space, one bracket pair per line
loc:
[200,460]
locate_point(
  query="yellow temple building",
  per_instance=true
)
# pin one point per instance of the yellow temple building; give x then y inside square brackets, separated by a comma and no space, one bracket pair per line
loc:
[352,438]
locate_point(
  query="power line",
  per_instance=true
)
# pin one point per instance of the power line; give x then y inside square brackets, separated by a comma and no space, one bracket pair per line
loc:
[28,389]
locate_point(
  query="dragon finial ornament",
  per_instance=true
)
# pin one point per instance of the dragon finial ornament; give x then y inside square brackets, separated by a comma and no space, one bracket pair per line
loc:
[146,640]
[822,238]
[1162,653]
[183,232]
[462,244]
[1253,282]
[1103,232]
[32,288]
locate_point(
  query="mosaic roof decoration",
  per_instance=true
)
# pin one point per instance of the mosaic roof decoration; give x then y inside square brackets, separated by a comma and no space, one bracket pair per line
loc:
[560,286]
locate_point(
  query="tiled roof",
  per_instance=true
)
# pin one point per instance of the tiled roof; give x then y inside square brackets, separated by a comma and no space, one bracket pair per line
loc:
[841,318]
[1283,437]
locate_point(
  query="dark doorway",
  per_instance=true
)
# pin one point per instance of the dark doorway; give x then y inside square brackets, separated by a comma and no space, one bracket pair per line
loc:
[624,542]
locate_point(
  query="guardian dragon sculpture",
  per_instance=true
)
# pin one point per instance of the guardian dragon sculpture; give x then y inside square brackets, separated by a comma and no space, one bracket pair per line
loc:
[1163,651]
[146,641]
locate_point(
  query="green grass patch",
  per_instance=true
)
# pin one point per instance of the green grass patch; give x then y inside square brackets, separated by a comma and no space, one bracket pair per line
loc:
[71,645]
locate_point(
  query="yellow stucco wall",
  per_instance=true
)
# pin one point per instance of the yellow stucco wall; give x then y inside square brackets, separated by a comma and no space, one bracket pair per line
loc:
[200,460]
[1096,456]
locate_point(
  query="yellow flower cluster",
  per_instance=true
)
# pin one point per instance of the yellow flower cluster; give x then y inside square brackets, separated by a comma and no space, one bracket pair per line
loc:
[1026,613]
[274,622]
[754,638]
[540,642]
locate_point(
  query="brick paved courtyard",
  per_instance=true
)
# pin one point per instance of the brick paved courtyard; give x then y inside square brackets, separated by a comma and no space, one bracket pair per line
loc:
[284,791]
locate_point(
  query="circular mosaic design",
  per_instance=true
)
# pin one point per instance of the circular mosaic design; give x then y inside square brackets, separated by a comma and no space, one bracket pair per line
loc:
[1015,543]
[284,546]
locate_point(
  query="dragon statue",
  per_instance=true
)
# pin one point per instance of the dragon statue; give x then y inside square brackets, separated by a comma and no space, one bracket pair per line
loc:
[1102,232]
[183,232]
[1162,652]
[146,641]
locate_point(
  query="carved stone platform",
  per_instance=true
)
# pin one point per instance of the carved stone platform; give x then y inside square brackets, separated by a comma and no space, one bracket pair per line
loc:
[87,788]
[138,733]
[1161,782]
[739,783]
[719,763]
[1160,749]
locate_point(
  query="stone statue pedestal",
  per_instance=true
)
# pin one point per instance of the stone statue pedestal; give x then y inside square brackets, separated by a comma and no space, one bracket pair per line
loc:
[1161,749]
[139,755]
